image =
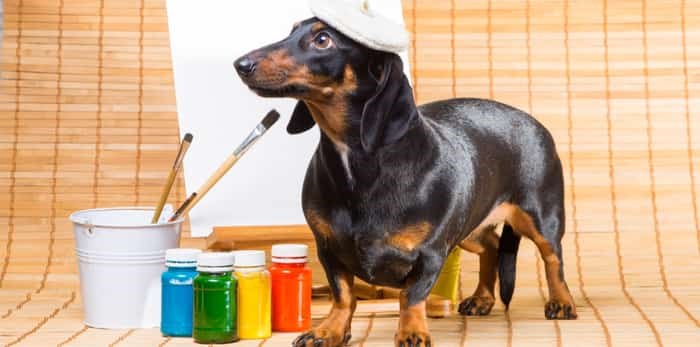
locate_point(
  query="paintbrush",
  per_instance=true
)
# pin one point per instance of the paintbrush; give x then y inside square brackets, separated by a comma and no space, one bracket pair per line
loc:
[184,146]
[182,208]
[253,137]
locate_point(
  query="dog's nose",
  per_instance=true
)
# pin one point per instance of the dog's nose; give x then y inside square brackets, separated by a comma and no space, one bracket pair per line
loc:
[245,66]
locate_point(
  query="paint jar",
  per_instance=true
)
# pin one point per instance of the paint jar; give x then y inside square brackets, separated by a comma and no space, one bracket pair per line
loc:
[215,305]
[176,288]
[447,284]
[253,295]
[291,288]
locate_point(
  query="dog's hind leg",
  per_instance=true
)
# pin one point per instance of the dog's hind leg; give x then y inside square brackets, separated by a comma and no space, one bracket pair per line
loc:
[486,246]
[544,225]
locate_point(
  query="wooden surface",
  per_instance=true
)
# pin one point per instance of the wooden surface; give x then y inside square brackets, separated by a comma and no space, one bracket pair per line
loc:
[88,118]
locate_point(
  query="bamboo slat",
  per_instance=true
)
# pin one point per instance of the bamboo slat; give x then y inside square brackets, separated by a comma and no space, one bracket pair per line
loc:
[88,118]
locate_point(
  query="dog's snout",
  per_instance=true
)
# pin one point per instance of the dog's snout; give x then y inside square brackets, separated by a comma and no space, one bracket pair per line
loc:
[245,66]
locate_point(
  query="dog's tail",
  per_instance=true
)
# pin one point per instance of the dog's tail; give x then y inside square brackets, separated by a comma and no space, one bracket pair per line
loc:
[507,254]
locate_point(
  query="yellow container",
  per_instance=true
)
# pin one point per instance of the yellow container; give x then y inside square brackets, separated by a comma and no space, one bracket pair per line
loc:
[447,284]
[254,308]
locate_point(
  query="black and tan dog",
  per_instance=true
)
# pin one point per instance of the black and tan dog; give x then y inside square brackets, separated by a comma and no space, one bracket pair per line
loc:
[393,188]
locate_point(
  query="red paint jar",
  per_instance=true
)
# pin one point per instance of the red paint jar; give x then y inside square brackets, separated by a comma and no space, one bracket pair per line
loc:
[291,288]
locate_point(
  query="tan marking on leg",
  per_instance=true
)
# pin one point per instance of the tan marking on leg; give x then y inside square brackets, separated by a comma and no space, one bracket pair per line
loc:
[412,323]
[488,261]
[523,224]
[410,237]
[485,244]
[334,328]
[318,224]
[471,246]
[480,237]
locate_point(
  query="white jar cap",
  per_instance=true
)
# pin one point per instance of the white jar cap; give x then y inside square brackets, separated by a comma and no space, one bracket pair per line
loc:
[289,253]
[181,257]
[215,262]
[250,258]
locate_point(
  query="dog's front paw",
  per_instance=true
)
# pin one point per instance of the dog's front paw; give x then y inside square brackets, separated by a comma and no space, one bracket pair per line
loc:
[476,306]
[555,309]
[412,338]
[322,337]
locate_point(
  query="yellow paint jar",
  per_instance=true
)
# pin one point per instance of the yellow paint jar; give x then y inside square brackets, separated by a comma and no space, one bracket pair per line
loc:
[447,285]
[254,309]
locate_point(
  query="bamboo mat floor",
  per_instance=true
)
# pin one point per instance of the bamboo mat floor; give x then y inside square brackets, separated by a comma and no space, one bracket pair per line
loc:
[640,314]
[88,118]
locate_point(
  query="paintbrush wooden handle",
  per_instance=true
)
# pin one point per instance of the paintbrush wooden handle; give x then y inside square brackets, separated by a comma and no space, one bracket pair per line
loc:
[184,147]
[213,179]
[164,195]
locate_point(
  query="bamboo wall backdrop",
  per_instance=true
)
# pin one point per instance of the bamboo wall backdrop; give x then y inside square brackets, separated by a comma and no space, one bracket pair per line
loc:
[88,118]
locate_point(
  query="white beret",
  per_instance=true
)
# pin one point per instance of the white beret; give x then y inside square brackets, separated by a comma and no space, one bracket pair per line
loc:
[356,20]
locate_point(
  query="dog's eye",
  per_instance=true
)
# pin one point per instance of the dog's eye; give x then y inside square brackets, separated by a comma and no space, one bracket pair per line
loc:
[322,41]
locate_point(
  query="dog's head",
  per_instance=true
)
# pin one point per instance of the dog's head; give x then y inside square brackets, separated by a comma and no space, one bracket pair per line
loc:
[340,83]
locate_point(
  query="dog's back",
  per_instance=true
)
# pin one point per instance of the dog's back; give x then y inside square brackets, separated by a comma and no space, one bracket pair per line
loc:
[499,139]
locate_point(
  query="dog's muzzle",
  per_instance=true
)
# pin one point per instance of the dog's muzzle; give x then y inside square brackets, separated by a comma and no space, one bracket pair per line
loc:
[244,66]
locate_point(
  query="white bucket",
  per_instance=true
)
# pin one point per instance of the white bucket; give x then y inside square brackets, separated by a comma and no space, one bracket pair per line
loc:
[121,257]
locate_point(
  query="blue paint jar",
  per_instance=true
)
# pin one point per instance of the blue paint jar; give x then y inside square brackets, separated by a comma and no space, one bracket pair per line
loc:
[177,292]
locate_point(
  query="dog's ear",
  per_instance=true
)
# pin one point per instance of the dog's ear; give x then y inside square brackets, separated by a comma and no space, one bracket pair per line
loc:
[301,120]
[391,111]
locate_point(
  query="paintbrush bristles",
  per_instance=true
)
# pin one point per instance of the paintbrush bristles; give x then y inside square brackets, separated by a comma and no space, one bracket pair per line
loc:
[184,147]
[270,119]
[183,207]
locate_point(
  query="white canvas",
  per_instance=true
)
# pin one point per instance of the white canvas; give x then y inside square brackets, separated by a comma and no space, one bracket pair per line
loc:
[206,36]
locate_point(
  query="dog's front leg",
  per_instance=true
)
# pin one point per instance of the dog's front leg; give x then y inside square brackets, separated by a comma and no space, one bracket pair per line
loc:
[334,331]
[413,327]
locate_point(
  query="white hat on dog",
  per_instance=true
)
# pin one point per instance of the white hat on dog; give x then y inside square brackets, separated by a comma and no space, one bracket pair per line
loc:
[355,19]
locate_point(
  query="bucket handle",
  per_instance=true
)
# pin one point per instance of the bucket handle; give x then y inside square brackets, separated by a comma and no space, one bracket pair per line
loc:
[90,228]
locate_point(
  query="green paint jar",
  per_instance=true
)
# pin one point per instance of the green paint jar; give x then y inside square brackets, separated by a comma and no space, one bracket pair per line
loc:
[215,299]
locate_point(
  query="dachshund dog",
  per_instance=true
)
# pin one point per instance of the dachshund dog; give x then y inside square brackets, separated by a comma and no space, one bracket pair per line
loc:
[393,187]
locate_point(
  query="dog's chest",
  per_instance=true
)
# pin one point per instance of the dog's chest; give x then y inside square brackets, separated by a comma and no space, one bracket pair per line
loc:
[344,153]
[377,256]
